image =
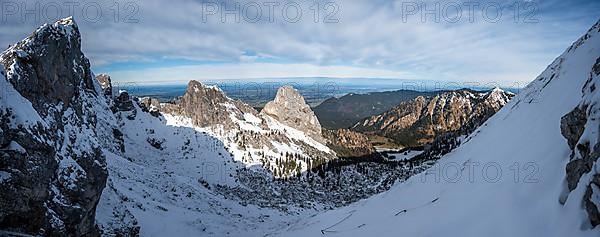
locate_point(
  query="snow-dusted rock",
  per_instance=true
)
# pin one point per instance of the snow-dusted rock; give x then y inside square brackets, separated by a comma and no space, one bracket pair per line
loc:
[290,109]
[150,105]
[53,109]
[123,102]
[206,106]
[106,84]
[581,128]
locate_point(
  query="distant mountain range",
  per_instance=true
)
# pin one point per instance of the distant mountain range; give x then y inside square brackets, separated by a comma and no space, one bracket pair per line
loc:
[418,121]
[344,112]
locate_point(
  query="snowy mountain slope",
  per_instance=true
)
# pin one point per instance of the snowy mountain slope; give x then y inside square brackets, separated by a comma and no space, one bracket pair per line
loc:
[161,196]
[162,182]
[457,198]
[580,128]
[170,168]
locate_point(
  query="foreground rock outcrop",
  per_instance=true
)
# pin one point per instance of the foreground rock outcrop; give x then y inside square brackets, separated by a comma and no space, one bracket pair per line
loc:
[52,168]
[581,128]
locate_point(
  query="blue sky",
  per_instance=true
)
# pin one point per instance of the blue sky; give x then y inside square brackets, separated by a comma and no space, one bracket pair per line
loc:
[372,39]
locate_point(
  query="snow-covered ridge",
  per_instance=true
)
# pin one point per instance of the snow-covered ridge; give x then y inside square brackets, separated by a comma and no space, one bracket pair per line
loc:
[581,129]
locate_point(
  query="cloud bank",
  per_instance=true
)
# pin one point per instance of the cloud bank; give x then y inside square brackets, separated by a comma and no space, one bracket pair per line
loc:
[154,40]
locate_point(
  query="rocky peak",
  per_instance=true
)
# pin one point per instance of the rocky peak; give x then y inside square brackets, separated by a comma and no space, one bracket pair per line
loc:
[287,94]
[196,88]
[203,94]
[497,98]
[207,106]
[106,84]
[290,109]
[50,49]
[57,169]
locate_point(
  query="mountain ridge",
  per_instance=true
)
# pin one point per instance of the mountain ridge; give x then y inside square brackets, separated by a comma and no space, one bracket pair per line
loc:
[343,112]
[417,122]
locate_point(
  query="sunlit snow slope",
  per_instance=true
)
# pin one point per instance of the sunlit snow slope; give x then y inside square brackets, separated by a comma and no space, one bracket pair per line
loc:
[459,198]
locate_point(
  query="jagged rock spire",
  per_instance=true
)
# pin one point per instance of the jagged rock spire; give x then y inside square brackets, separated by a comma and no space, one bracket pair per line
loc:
[58,169]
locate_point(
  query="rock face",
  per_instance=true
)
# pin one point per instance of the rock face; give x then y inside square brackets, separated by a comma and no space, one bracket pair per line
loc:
[123,102]
[581,128]
[572,126]
[150,105]
[290,109]
[419,121]
[52,169]
[207,106]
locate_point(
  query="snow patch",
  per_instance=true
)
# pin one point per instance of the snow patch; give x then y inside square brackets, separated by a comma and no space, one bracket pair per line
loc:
[22,109]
